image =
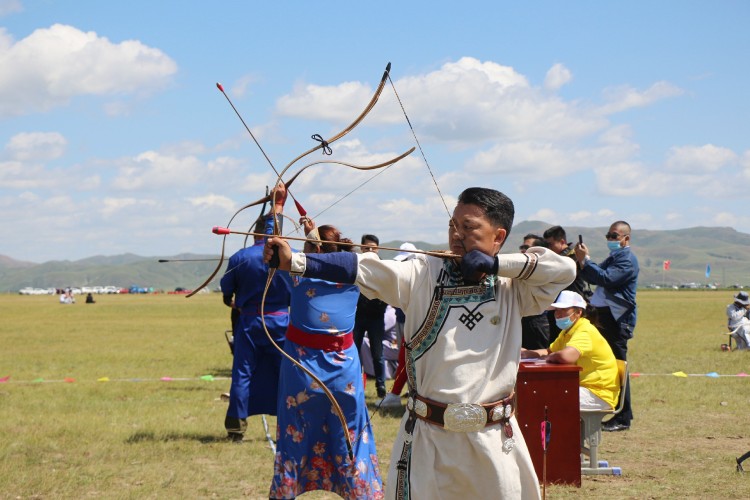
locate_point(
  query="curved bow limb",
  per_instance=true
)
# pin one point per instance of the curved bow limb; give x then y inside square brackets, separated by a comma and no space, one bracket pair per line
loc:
[357,121]
[267,198]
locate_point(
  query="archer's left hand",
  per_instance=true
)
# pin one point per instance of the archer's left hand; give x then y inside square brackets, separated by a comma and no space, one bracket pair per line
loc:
[475,263]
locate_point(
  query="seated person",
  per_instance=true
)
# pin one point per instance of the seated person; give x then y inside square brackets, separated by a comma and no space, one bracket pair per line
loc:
[738,322]
[580,343]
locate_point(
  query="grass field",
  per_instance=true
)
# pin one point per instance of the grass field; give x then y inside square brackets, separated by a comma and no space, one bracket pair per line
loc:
[86,414]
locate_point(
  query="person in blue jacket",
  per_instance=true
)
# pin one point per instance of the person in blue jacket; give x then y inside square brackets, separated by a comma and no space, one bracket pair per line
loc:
[616,279]
[256,362]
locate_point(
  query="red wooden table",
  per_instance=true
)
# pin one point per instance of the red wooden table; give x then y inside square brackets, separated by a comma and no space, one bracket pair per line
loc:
[555,387]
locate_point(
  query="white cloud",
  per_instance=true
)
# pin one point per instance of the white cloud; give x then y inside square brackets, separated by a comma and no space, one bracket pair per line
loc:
[557,76]
[240,86]
[543,214]
[153,170]
[745,164]
[36,146]
[625,97]
[17,175]
[113,205]
[212,200]
[698,159]
[631,179]
[580,216]
[464,102]
[535,160]
[52,65]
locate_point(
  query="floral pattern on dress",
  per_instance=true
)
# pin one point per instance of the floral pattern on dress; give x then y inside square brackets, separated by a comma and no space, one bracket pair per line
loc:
[311,452]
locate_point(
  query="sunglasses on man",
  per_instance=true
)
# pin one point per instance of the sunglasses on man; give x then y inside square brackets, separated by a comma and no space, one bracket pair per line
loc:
[614,236]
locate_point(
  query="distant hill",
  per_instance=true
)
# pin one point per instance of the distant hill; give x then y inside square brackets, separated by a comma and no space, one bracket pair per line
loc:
[121,271]
[689,251]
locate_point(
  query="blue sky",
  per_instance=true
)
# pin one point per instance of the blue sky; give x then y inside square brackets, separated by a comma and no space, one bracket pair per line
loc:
[114,137]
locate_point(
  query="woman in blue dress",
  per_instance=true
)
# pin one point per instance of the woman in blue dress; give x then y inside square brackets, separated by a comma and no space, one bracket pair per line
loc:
[311,449]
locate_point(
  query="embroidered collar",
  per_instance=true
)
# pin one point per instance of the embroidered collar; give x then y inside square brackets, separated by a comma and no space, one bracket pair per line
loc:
[452,276]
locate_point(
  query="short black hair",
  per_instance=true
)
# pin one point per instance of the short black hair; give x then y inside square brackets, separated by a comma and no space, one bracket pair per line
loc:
[621,223]
[536,241]
[497,207]
[370,237]
[532,236]
[556,233]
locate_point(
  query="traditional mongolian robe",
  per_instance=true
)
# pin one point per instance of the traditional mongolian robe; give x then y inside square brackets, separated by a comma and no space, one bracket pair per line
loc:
[311,451]
[463,346]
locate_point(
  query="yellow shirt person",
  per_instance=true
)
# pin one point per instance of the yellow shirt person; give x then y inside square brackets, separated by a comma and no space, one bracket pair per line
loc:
[580,343]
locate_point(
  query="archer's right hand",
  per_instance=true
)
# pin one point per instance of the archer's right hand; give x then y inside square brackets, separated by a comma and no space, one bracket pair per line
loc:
[274,244]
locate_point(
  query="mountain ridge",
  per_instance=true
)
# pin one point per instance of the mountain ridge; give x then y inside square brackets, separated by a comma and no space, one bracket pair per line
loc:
[689,250]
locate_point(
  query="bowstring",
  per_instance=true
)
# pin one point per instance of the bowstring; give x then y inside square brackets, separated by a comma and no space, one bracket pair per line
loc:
[380,172]
[296,230]
[376,411]
[419,145]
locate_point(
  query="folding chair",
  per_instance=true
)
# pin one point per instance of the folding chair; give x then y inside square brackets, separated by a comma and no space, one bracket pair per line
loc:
[591,430]
[738,334]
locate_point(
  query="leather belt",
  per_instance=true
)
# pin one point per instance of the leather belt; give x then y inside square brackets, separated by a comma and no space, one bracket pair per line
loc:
[464,417]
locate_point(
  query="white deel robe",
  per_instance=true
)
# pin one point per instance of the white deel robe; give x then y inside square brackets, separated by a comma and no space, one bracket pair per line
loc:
[465,348]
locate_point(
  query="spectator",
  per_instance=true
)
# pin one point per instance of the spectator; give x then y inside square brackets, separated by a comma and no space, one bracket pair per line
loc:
[535,329]
[557,241]
[255,365]
[616,279]
[738,320]
[370,321]
[580,343]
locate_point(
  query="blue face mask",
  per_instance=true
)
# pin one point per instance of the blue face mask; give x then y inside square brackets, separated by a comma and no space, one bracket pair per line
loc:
[564,323]
[613,245]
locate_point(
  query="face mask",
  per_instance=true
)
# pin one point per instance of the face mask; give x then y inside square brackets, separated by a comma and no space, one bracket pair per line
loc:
[613,245]
[564,323]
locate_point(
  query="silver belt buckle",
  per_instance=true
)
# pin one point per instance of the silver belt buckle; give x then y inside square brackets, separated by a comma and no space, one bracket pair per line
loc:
[464,417]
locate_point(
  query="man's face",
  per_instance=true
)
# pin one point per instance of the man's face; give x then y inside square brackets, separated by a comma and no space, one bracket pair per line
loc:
[368,246]
[618,233]
[470,229]
[556,246]
[573,312]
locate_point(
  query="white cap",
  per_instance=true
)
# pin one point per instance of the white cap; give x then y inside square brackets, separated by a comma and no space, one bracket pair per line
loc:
[406,254]
[567,299]
[742,298]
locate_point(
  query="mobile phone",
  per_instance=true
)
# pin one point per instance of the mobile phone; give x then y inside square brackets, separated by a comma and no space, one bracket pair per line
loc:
[580,239]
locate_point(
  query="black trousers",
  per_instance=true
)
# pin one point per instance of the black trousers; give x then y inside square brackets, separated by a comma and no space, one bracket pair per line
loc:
[617,338]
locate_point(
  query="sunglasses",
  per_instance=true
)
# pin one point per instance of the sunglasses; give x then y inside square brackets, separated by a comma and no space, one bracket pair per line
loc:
[613,236]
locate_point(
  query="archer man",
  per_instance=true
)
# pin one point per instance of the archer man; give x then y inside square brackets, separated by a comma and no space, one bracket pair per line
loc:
[459,437]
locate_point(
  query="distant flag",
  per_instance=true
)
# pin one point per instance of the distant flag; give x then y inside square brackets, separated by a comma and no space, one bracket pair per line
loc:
[708,270]
[667,263]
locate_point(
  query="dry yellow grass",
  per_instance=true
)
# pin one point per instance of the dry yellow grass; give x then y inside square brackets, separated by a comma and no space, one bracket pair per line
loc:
[139,437]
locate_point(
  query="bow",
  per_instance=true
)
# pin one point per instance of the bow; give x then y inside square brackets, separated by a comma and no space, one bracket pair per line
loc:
[300,209]
[325,143]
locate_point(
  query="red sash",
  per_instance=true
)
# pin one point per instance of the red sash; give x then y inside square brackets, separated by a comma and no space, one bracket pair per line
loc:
[323,342]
